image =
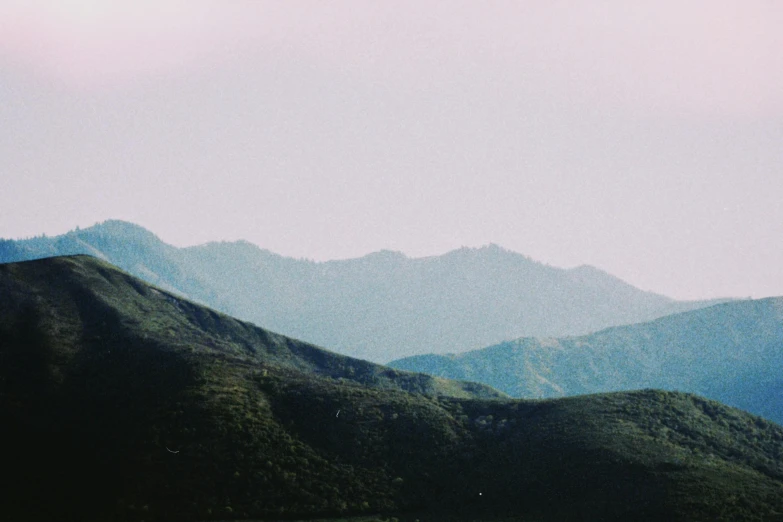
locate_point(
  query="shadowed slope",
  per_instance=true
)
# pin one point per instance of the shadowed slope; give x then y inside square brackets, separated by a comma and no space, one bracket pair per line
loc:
[126,403]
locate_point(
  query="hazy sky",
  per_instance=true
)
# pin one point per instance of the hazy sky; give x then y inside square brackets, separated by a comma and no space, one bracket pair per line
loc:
[645,138]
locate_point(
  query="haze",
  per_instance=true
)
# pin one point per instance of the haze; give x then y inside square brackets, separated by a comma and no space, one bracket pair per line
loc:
[646,140]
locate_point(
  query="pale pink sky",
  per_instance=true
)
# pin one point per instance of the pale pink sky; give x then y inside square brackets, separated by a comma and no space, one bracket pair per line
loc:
[719,55]
[643,138]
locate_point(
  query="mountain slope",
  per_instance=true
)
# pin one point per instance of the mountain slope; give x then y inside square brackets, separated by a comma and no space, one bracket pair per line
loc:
[731,352]
[124,402]
[379,307]
[119,304]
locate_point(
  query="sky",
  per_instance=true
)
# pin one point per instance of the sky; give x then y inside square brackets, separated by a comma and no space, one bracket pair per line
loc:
[644,138]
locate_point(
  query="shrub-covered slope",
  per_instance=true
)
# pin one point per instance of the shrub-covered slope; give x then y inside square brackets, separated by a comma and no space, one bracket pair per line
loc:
[123,402]
[731,352]
[379,307]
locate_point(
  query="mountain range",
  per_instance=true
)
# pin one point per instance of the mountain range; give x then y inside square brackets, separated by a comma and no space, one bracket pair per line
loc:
[380,307]
[123,401]
[731,352]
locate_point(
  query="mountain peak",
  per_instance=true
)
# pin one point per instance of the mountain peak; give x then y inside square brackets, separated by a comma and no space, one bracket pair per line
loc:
[490,249]
[118,226]
[385,254]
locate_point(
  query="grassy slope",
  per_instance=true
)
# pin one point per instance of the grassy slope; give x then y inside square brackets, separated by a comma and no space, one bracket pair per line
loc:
[103,378]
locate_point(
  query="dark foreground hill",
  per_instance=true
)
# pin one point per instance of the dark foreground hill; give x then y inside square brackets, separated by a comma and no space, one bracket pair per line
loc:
[122,402]
[380,307]
[730,352]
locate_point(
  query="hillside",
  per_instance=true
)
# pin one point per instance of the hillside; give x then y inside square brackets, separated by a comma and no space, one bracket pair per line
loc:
[730,352]
[379,307]
[123,402]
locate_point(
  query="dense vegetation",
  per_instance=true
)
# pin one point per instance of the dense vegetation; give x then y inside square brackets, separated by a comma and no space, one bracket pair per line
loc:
[731,352]
[124,402]
[380,307]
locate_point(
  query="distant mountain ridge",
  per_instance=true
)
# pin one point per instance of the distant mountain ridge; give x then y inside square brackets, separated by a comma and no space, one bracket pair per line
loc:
[379,307]
[731,352]
[122,401]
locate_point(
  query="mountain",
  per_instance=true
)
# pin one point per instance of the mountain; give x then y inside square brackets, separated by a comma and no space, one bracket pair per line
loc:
[379,307]
[731,352]
[122,401]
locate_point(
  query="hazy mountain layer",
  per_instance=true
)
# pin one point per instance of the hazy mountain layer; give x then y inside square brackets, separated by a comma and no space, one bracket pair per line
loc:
[731,352]
[123,402]
[379,307]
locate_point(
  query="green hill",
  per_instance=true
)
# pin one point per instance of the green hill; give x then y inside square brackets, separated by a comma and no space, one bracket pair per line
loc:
[731,352]
[121,401]
[379,307]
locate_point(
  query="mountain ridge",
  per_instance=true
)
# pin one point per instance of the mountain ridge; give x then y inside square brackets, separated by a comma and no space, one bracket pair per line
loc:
[126,402]
[729,352]
[287,352]
[381,306]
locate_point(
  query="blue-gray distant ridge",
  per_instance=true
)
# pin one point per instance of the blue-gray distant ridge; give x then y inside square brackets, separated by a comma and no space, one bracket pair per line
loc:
[731,352]
[379,307]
